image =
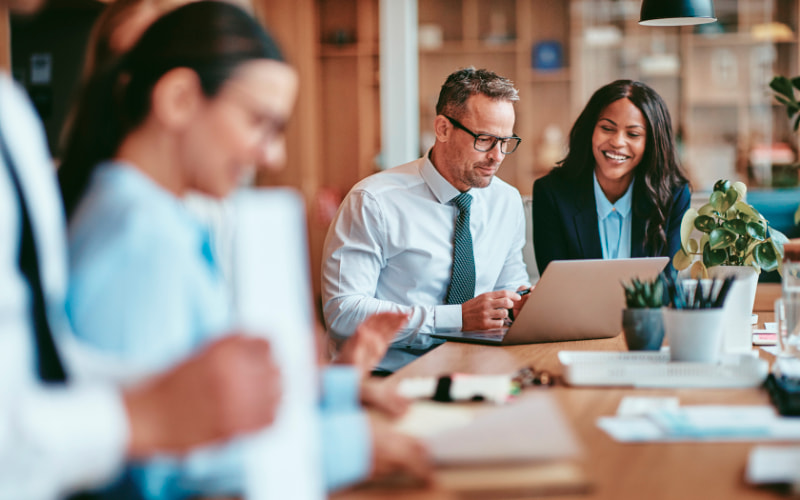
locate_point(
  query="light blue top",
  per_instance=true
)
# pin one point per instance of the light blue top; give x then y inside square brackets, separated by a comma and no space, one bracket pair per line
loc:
[144,285]
[614,221]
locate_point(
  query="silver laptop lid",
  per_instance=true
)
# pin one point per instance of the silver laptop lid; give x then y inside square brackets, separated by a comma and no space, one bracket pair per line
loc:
[579,299]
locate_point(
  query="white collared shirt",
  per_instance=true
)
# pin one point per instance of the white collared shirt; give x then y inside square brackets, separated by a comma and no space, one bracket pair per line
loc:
[614,234]
[390,248]
[52,440]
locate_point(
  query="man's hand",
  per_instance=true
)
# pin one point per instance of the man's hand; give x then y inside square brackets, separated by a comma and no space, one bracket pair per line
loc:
[523,299]
[229,388]
[394,452]
[369,343]
[488,310]
[381,395]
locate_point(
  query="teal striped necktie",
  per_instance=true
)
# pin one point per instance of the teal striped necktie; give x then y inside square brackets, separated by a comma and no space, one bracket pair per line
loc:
[462,280]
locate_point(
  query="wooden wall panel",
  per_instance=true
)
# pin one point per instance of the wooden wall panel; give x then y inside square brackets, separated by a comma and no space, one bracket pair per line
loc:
[5,41]
[295,26]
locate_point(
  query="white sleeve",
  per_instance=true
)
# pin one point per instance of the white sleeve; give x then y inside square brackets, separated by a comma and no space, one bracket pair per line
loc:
[351,266]
[54,441]
[514,273]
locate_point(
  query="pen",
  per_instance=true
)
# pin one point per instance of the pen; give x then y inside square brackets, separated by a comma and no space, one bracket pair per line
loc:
[723,291]
[521,294]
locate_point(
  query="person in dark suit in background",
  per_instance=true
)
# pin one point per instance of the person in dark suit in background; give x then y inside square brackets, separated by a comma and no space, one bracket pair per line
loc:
[620,191]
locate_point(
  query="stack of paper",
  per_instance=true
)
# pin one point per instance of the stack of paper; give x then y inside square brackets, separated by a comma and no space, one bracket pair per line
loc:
[701,423]
[774,465]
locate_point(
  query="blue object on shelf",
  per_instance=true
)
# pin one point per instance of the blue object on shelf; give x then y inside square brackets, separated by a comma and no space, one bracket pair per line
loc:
[778,207]
[547,55]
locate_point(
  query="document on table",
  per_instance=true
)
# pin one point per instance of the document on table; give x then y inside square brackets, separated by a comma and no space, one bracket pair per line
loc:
[767,336]
[774,465]
[702,423]
[525,447]
[530,428]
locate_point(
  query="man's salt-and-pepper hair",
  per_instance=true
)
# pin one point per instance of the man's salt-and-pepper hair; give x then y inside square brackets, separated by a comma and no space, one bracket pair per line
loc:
[467,82]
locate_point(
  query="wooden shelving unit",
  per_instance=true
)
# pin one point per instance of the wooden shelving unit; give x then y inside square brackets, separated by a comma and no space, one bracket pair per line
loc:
[350,90]
[727,106]
[600,41]
[500,36]
[336,134]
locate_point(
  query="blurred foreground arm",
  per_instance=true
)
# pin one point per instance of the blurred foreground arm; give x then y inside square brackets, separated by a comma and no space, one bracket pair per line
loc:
[231,387]
[398,453]
[368,345]
[364,350]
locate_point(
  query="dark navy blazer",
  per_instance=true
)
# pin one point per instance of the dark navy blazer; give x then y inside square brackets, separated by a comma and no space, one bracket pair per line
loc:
[565,220]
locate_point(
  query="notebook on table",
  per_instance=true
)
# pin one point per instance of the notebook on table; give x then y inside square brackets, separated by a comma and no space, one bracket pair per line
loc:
[525,448]
[573,300]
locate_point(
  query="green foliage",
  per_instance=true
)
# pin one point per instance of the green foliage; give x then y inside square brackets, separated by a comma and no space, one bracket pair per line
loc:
[784,92]
[643,294]
[733,234]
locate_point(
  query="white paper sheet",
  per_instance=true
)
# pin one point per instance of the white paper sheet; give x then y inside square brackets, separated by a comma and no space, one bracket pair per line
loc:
[773,464]
[633,406]
[273,293]
[529,429]
[703,423]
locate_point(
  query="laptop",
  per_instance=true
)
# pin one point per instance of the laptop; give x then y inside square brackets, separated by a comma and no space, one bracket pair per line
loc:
[573,300]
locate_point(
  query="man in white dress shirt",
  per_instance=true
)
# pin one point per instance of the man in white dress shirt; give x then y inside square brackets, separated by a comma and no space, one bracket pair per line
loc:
[65,423]
[407,240]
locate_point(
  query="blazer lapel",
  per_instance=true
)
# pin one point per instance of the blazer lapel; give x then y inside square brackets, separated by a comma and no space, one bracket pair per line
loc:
[637,238]
[640,206]
[586,220]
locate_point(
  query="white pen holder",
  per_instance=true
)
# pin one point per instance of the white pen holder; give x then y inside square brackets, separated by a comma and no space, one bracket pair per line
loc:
[694,334]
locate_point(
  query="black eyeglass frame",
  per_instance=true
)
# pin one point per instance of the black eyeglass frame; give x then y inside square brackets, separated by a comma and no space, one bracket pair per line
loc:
[504,141]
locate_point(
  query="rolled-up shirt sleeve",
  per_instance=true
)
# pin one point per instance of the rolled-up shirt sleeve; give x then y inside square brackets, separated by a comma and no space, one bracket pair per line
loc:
[352,261]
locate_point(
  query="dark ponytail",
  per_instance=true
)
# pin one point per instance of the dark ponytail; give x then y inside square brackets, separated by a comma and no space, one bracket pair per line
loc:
[211,38]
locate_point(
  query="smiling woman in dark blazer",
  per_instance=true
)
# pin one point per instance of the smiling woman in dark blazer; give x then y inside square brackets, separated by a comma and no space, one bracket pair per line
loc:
[620,191]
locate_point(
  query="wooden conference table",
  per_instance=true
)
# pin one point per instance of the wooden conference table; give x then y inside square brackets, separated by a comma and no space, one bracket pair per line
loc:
[615,470]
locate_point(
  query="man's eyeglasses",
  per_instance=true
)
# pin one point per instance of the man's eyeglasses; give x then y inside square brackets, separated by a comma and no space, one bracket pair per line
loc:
[486,142]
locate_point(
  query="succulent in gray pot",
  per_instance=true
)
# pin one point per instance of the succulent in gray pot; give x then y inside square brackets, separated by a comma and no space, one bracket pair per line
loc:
[642,320]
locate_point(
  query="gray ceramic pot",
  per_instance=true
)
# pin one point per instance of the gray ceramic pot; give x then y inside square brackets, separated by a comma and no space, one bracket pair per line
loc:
[644,329]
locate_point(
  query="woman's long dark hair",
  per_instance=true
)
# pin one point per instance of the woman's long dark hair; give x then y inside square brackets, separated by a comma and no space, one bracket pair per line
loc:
[659,172]
[211,38]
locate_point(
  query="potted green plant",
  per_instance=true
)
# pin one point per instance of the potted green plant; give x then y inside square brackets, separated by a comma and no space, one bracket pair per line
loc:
[642,321]
[733,233]
[735,239]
